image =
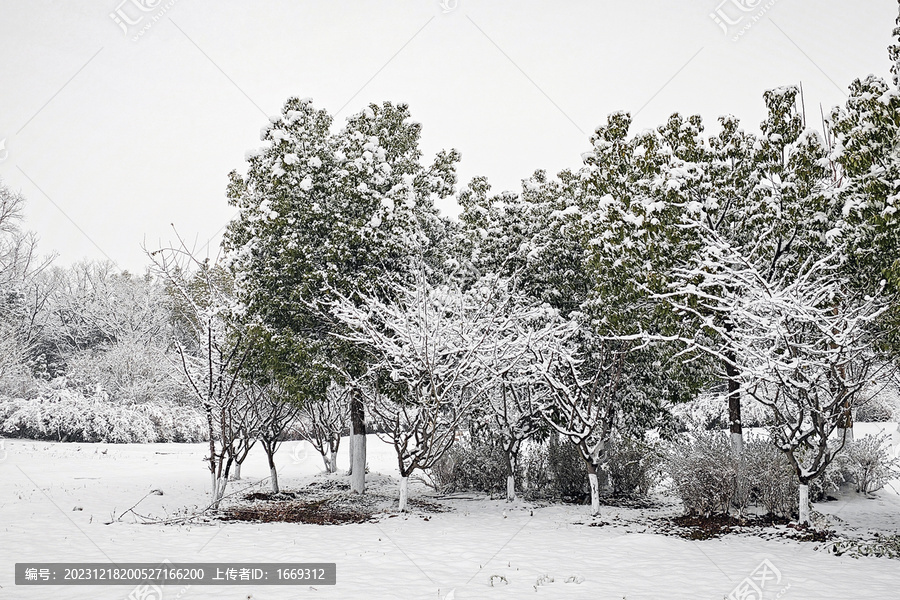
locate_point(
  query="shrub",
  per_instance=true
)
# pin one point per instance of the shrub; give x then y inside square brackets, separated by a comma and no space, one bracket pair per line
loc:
[771,482]
[704,473]
[709,412]
[634,466]
[869,465]
[66,415]
[471,466]
[555,470]
[706,476]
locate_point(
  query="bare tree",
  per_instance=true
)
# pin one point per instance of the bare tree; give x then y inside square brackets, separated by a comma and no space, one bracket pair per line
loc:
[582,400]
[511,405]
[25,286]
[274,416]
[807,345]
[426,368]
[322,423]
[211,349]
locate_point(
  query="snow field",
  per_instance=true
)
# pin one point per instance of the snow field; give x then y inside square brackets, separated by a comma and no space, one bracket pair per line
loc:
[526,550]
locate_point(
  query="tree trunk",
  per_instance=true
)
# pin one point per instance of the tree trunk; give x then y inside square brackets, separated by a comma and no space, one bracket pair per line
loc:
[274,474]
[237,472]
[358,425]
[595,494]
[334,445]
[221,484]
[804,504]
[404,492]
[273,471]
[845,426]
[350,452]
[212,451]
[734,406]
[595,489]
[510,477]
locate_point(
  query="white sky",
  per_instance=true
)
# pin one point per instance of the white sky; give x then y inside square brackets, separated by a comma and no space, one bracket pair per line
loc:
[111,140]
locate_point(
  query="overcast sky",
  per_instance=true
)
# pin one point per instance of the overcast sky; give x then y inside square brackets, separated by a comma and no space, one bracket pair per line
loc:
[114,130]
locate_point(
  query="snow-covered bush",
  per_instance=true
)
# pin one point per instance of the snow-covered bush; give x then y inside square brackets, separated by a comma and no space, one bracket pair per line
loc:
[63,414]
[709,412]
[130,372]
[471,466]
[634,466]
[706,476]
[174,423]
[881,408]
[704,473]
[770,478]
[869,464]
[555,470]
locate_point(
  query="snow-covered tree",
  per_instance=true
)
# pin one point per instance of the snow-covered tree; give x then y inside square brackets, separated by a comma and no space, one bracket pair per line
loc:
[806,344]
[866,146]
[112,329]
[321,423]
[509,410]
[661,192]
[427,350]
[272,413]
[324,212]
[26,286]
[582,398]
[528,236]
[211,349]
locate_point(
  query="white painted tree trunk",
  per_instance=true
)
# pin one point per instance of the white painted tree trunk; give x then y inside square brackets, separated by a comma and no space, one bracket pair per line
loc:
[221,484]
[404,492]
[350,450]
[595,494]
[358,476]
[846,433]
[213,484]
[510,488]
[331,463]
[804,504]
[274,473]
[237,472]
[737,443]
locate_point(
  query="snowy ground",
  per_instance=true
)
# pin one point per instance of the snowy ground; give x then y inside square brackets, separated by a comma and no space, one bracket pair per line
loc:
[56,501]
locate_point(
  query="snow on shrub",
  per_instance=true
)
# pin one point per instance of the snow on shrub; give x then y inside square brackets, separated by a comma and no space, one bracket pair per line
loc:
[869,464]
[66,415]
[471,466]
[770,478]
[128,371]
[704,473]
[709,412]
[555,470]
[175,423]
[634,466]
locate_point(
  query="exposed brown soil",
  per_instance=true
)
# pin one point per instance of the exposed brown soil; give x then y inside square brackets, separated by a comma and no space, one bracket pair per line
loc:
[319,512]
[696,527]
